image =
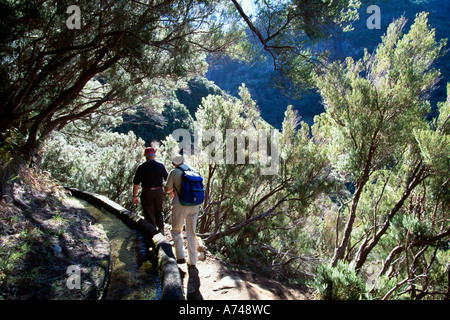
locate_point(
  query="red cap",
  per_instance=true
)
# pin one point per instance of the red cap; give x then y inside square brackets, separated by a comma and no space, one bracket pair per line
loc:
[149,150]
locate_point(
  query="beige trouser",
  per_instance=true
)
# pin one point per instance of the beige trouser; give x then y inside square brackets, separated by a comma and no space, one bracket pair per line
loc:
[180,214]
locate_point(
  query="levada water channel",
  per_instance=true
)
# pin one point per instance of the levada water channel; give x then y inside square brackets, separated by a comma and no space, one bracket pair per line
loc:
[134,269]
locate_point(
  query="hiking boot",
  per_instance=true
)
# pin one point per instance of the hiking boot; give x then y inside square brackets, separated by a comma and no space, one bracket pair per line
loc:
[191,266]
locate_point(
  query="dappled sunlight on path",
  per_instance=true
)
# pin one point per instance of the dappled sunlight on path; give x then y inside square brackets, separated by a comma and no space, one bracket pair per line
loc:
[212,280]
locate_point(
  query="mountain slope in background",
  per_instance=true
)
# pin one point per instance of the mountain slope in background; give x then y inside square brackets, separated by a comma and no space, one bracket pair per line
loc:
[230,74]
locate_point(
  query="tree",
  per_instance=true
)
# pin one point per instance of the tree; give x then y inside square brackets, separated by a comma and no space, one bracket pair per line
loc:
[289,31]
[153,126]
[125,54]
[127,50]
[378,140]
[242,205]
[94,159]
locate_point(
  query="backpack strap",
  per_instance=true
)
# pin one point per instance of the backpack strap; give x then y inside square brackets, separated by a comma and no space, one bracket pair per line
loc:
[183,171]
[187,168]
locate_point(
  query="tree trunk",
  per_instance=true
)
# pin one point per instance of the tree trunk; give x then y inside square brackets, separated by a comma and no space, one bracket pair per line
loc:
[340,250]
[366,248]
[447,295]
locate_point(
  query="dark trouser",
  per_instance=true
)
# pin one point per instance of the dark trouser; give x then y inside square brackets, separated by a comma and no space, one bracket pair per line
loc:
[152,206]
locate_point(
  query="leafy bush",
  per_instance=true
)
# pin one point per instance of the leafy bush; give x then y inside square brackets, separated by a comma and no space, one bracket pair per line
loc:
[98,160]
[338,283]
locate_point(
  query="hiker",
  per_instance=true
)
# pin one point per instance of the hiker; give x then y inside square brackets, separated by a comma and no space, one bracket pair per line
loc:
[150,175]
[182,213]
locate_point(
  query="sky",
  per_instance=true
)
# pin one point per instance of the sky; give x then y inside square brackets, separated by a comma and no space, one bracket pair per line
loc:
[248,7]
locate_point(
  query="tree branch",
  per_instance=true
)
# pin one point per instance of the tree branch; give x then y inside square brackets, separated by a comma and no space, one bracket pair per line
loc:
[234,228]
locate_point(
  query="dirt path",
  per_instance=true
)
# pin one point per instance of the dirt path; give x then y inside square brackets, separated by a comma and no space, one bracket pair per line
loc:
[212,280]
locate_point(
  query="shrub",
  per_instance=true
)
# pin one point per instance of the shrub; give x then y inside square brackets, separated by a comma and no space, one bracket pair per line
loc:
[339,283]
[99,161]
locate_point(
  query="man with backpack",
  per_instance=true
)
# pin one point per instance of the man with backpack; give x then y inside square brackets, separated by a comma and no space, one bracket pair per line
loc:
[189,193]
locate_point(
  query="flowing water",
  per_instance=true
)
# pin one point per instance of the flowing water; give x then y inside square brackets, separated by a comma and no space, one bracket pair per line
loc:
[134,270]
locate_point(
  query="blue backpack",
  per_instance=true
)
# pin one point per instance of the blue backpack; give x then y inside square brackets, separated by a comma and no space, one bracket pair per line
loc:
[192,192]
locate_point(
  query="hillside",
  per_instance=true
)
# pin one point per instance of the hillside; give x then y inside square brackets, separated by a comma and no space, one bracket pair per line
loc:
[42,234]
[230,74]
[225,76]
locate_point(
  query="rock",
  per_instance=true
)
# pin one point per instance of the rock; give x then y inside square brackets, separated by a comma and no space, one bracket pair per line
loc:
[57,249]
[228,282]
[201,256]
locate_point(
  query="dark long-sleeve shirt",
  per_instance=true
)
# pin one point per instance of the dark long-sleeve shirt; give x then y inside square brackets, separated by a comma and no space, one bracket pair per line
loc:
[151,174]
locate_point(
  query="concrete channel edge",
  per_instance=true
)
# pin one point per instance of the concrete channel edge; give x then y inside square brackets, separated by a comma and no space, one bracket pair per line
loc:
[170,276]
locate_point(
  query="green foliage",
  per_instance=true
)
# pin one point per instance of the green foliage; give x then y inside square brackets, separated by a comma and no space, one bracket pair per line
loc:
[10,159]
[376,137]
[417,230]
[366,118]
[434,144]
[289,30]
[125,53]
[242,205]
[96,160]
[240,251]
[177,113]
[260,77]
[196,90]
[338,283]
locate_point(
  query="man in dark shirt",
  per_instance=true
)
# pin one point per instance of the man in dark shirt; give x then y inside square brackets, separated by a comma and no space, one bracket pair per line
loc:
[150,176]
